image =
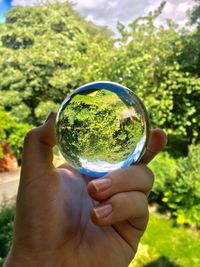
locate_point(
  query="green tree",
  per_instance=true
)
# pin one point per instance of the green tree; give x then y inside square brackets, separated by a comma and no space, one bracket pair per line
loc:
[40,52]
[189,58]
[147,60]
[195,13]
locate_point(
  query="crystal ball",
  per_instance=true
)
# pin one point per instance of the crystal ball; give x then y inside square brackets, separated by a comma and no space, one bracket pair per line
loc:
[102,127]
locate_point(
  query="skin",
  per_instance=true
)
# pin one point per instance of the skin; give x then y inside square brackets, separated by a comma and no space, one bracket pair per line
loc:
[57,221]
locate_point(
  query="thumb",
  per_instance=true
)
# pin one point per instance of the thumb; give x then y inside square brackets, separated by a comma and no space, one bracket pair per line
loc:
[157,142]
[38,144]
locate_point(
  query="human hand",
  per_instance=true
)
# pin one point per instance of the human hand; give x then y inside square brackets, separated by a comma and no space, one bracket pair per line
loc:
[59,220]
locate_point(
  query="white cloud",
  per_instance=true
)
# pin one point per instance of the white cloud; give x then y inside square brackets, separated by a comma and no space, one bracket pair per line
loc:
[112,4]
[89,4]
[23,2]
[108,12]
[28,2]
[176,10]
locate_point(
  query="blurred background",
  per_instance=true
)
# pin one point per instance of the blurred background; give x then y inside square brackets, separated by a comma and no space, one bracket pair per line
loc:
[49,48]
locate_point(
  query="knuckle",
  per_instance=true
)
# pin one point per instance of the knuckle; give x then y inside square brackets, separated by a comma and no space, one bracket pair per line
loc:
[117,177]
[29,135]
[150,175]
[137,169]
[143,202]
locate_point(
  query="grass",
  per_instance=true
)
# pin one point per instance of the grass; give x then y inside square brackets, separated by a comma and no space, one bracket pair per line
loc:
[165,245]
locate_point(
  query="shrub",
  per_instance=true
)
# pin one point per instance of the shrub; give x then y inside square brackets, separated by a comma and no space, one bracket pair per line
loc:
[164,169]
[16,138]
[13,132]
[183,196]
[6,226]
[177,185]
[44,108]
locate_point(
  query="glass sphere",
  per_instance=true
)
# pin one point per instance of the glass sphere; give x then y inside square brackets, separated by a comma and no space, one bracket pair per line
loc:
[101,127]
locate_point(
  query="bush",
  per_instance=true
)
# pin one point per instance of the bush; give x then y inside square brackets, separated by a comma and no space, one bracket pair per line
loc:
[13,132]
[6,226]
[164,169]
[183,196]
[177,185]
[16,138]
[43,109]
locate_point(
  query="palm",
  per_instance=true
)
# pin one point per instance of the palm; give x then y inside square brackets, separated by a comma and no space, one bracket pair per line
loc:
[62,207]
[95,244]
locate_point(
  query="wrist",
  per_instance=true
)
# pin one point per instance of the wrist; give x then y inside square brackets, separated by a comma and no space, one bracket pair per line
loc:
[19,259]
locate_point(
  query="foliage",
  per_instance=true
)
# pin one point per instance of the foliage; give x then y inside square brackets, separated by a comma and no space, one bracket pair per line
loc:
[43,109]
[13,132]
[164,168]
[48,50]
[148,60]
[195,13]
[177,184]
[12,102]
[40,50]
[96,126]
[143,256]
[6,226]
[183,196]
[166,245]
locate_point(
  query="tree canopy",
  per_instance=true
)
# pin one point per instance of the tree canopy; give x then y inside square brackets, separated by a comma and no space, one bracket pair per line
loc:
[48,50]
[160,64]
[40,50]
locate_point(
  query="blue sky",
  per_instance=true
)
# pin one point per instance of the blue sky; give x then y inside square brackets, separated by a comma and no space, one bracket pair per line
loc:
[108,12]
[4,6]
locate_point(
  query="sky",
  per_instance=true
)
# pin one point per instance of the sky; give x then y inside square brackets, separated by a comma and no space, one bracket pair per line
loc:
[108,12]
[4,6]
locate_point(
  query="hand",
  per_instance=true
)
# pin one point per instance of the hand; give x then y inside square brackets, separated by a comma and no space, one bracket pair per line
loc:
[59,220]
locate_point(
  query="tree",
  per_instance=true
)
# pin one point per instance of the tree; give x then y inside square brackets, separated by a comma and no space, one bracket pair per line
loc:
[195,13]
[40,52]
[147,60]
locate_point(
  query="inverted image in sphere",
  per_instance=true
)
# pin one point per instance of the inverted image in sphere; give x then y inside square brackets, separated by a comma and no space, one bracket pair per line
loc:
[102,127]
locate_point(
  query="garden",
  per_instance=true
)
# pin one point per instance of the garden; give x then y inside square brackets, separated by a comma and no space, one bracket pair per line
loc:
[48,50]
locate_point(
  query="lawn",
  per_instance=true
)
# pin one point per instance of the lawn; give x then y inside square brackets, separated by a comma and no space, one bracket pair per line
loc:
[165,245]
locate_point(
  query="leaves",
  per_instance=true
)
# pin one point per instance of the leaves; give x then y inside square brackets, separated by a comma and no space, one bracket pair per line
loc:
[14,132]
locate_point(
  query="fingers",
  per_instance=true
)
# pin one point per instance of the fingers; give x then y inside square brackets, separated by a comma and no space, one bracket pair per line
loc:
[123,195]
[120,207]
[157,142]
[123,202]
[135,178]
[38,144]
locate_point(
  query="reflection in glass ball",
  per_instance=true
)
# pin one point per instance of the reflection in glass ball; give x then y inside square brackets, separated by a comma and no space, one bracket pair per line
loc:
[102,127]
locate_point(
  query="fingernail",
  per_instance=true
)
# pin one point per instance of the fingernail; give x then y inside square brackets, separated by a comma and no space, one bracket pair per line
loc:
[49,116]
[102,184]
[103,211]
